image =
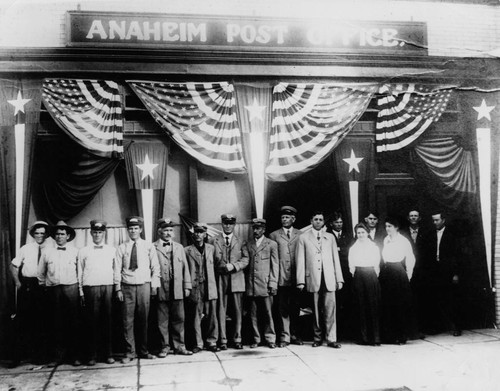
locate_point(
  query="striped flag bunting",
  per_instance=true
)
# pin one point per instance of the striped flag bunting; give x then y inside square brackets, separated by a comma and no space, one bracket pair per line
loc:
[90,111]
[200,118]
[309,120]
[188,223]
[405,112]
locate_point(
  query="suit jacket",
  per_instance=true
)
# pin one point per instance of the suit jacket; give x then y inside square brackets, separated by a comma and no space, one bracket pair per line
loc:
[380,235]
[418,249]
[313,258]
[286,253]
[181,279]
[449,256]
[202,266]
[344,243]
[237,256]
[263,267]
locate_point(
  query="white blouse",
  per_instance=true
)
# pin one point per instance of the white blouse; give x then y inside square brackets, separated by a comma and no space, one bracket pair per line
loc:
[399,249]
[365,254]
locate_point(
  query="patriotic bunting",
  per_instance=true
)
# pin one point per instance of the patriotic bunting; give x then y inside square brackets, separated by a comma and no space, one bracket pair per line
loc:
[308,122]
[200,117]
[90,111]
[405,112]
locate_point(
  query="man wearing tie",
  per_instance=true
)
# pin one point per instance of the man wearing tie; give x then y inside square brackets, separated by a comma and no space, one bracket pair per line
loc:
[175,285]
[376,233]
[31,298]
[443,270]
[288,296]
[231,258]
[320,273]
[137,278]
[262,282]
[57,271]
[96,268]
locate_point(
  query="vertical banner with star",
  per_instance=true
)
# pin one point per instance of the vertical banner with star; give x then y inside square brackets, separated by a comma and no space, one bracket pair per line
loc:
[353,159]
[146,164]
[254,114]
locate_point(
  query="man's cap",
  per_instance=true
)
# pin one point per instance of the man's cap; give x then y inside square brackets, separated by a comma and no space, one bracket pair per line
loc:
[258,223]
[288,210]
[98,225]
[200,227]
[62,225]
[39,224]
[134,220]
[228,218]
[164,223]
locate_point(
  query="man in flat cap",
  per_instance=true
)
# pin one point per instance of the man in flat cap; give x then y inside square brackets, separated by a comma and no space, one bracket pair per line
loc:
[288,295]
[31,298]
[175,285]
[203,298]
[320,273]
[137,278]
[96,269]
[231,257]
[262,282]
[57,271]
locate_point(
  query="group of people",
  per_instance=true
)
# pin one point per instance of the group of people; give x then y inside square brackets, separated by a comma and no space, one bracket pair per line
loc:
[204,289]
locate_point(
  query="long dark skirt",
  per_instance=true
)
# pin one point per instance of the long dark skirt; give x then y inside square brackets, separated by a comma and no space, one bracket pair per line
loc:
[367,298]
[396,302]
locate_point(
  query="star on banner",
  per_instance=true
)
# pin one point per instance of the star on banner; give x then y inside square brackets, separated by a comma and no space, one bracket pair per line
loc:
[353,161]
[147,168]
[18,103]
[483,111]
[255,110]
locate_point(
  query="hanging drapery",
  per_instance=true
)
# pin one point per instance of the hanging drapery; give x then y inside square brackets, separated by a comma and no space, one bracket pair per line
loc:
[66,178]
[254,113]
[200,118]
[146,164]
[308,122]
[89,111]
[452,167]
[405,112]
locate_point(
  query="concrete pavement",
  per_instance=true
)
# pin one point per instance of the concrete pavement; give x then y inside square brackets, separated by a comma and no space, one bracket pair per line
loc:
[441,362]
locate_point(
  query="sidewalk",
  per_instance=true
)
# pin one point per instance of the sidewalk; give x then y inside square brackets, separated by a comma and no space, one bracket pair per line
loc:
[441,362]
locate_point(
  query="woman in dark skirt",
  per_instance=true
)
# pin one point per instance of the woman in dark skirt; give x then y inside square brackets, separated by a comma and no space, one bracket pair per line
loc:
[364,265]
[395,276]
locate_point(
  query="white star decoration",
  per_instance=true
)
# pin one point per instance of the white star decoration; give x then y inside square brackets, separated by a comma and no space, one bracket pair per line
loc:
[353,161]
[483,111]
[18,103]
[147,168]
[255,110]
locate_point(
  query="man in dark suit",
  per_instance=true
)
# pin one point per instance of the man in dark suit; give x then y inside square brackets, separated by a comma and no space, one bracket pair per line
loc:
[344,297]
[262,282]
[231,258]
[442,268]
[288,296]
[319,272]
[377,234]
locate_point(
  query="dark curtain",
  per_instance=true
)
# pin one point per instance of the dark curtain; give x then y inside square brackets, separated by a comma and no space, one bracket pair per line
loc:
[67,178]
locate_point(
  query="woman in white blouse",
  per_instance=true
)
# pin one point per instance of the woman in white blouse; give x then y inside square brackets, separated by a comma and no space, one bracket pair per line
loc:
[395,276]
[364,265]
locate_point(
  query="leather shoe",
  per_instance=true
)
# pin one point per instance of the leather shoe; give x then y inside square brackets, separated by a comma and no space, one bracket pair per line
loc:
[110,360]
[223,346]
[147,356]
[213,348]
[77,363]
[238,346]
[334,345]
[196,349]
[184,352]
[126,360]
[283,344]
[163,353]
[297,341]
[317,344]
[91,363]
[271,345]
[254,345]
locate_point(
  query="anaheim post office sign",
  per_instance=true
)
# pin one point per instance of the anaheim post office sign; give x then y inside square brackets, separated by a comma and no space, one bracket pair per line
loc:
[237,33]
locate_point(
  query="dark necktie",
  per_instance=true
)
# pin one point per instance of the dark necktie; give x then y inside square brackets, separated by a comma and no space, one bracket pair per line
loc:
[227,241]
[62,248]
[133,258]
[39,253]
[288,234]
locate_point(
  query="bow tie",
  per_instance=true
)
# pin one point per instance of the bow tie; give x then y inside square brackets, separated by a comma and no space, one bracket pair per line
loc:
[62,248]
[166,244]
[97,247]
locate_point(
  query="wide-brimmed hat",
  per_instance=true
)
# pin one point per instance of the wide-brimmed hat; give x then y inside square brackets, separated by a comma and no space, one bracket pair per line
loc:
[39,224]
[62,225]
